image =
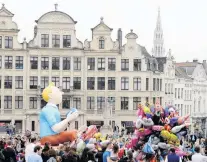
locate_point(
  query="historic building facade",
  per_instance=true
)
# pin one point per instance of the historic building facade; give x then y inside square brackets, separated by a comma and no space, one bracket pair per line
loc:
[94,75]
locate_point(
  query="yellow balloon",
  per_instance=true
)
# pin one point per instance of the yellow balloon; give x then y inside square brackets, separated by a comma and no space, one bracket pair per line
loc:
[165,134]
[147,110]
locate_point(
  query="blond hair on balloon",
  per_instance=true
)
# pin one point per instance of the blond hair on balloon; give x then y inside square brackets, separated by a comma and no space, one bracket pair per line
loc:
[47,91]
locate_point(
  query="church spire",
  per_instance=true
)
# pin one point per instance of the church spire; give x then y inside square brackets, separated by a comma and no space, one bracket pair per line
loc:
[158,49]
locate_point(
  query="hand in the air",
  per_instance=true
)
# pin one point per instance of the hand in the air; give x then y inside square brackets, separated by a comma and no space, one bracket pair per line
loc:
[72,114]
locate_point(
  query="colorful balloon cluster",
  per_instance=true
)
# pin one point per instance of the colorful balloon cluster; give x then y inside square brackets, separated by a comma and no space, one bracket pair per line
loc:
[158,129]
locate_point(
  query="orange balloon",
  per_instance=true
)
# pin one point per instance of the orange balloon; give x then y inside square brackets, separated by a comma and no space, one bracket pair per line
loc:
[167,127]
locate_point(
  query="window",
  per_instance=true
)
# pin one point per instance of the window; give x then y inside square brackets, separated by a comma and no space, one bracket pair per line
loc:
[147,84]
[8,42]
[77,63]
[33,82]
[101,83]
[0,62]
[43,103]
[91,63]
[176,93]
[124,83]
[158,84]
[19,82]
[33,125]
[55,40]
[112,102]
[147,99]
[45,40]
[0,86]
[124,64]
[137,83]
[19,62]
[33,62]
[77,83]
[90,102]
[154,100]
[111,64]
[18,102]
[33,102]
[0,41]
[55,63]
[7,102]
[154,84]
[181,93]
[101,102]
[124,103]
[111,83]
[136,101]
[44,82]
[66,63]
[101,43]
[77,102]
[66,102]
[56,81]
[76,125]
[45,63]
[66,41]
[8,62]
[161,86]
[101,63]
[66,83]
[8,82]
[137,64]
[90,83]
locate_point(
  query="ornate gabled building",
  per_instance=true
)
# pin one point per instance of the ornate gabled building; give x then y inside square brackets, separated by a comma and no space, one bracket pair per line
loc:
[194,92]
[99,75]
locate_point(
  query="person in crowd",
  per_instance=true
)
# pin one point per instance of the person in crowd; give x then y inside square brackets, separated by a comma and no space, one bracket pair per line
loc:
[197,157]
[61,150]
[35,156]
[52,155]
[9,153]
[84,157]
[45,154]
[114,153]
[107,152]
[70,155]
[172,157]
[30,148]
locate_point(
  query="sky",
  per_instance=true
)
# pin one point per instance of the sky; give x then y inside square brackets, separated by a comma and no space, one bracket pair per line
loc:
[183,21]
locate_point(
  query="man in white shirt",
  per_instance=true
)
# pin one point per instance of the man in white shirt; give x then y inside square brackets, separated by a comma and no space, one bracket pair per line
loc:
[30,148]
[197,157]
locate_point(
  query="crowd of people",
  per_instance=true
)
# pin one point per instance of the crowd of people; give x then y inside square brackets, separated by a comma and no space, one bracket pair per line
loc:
[112,149]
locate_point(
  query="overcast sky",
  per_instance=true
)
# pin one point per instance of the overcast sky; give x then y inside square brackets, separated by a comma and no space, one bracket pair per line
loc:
[184,21]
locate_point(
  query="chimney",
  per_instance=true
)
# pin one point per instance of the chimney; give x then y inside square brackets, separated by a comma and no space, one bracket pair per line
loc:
[195,60]
[119,38]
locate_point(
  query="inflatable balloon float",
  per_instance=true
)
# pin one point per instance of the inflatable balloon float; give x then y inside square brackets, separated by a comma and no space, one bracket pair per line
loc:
[52,129]
[156,130]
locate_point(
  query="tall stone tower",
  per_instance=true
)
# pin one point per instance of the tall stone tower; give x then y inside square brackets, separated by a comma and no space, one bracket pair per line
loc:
[158,49]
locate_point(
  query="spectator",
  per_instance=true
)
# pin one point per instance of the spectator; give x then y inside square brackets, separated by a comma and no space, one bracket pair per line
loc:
[52,155]
[45,154]
[35,156]
[173,157]
[9,153]
[197,157]
[30,148]
[107,153]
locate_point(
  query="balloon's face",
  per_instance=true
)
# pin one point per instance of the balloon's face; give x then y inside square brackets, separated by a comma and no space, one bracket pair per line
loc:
[56,95]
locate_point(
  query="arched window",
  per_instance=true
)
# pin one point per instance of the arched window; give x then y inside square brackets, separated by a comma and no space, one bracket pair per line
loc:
[101,43]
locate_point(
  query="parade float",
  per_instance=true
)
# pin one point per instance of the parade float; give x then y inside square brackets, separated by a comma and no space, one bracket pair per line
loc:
[158,129]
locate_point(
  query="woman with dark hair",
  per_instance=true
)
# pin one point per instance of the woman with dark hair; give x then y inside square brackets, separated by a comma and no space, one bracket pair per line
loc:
[52,155]
[84,157]
[70,155]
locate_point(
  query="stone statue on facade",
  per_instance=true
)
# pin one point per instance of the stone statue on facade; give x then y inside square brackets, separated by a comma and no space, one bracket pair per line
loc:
[86,44]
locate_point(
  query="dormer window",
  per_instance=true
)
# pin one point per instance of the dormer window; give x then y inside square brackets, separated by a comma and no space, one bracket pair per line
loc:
[55,41]
[45,40]
[8,42]
[66,41]
[101,43]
